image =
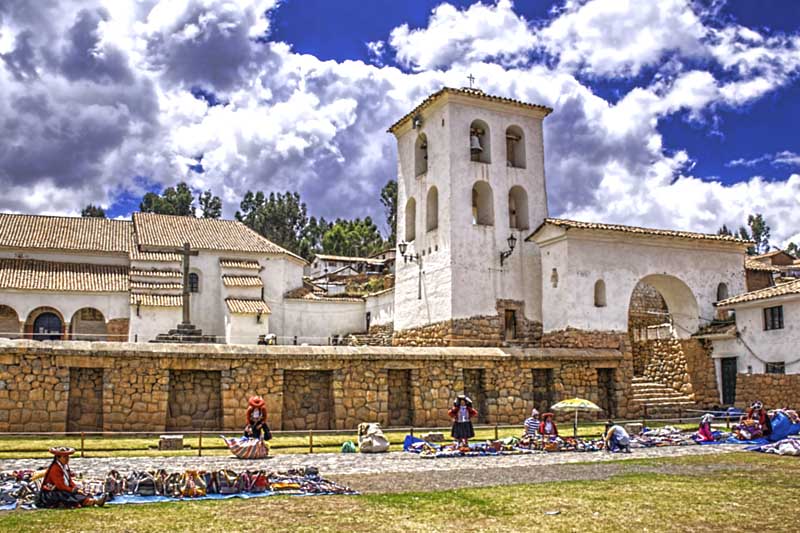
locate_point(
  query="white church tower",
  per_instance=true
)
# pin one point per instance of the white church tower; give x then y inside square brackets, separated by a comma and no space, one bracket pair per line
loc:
[470,186]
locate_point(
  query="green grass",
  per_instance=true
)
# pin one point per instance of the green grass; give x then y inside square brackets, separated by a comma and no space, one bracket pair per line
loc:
[755,493]
[95,446]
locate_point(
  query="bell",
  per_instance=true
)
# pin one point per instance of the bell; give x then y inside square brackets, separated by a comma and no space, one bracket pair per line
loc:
[475,144]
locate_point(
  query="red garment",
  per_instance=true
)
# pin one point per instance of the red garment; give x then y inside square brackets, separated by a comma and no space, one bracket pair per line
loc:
[554,433]
[453,412]
[704,433]
[58,477]
[250,410]
[761,417]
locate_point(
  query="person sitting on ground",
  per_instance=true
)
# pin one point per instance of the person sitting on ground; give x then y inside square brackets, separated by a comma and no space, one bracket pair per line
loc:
[532,424]
[547,427]
[58,487]
[755,423]
[257,427]
[462,414]
[616,438]
[704,433]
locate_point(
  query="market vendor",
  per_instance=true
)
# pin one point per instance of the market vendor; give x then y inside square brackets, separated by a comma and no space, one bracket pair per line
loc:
[547,427]
[755,423]
[59,488]
[616,438]
[704,433]
[462,414]
[256,427]
[532,424]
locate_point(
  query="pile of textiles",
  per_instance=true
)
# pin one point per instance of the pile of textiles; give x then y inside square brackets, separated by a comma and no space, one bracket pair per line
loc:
[784,423]
[430,450]
[788,446]
[19,489]
[666,436]
[246,447]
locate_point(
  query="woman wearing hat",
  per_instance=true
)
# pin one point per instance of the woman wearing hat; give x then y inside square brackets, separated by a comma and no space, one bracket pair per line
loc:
[755,423]
[257,427]
[462,414]
[547,427]
[58,487]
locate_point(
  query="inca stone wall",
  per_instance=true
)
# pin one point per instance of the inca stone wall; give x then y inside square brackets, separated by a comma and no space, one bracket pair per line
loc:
[401,404]
[195,400]
[647,307]
[85,407]
[307,399]
[666,363]
[773,390]
[702,374]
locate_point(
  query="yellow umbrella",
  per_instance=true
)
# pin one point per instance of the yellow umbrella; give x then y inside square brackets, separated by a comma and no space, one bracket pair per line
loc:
[576,404]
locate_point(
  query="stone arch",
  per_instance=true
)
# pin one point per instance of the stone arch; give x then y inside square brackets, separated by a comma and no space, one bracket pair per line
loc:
[600,293]
[411,220]
[432,209]
[421,154]
[88,324]
[10,327]
[515,147]
[682,309]
[482,204]
[480,143]
[518,208]
[45,323]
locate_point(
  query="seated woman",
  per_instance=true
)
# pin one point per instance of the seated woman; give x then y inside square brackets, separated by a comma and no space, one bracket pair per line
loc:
[547,428]
[58,487]
[256,415]
[616,438]
[704,431]
[532,424]
[754,424]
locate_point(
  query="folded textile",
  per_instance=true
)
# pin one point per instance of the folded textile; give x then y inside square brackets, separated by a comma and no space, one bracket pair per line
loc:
[247,448]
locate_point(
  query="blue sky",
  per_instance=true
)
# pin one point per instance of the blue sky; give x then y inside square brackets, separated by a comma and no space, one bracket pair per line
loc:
[668,113]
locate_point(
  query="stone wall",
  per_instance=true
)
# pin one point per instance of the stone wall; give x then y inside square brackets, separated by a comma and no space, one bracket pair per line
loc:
[85,407]
[195,400]
[647,307]
[143,381]
[401,402]
[702,374]
[666,363]
[773,390]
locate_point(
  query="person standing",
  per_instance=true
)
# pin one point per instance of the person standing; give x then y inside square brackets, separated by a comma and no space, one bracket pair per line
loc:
[462,414]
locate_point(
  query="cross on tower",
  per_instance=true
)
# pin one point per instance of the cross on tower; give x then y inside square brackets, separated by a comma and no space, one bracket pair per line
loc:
[471,79]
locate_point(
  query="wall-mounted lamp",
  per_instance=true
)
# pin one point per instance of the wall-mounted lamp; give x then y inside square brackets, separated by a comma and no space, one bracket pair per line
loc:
[416,122]
[512,242]
[403,246]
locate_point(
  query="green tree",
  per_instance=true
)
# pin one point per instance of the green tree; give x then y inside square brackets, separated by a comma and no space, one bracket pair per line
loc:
[177,200]
[389,201]
[210,206]
[355,238]
[281,218]
[311,243]
[724,231]
[793,249]
[93,211]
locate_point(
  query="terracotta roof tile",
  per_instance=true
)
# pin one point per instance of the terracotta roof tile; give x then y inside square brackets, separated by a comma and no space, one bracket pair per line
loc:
[564,223]
[156,285]
[156,300]
[137,255]
[35,275]
[245,306]
[782,289]
[239,263]
[753,264]
[156,273]
[304,293]
[242,281]
[87,234]
[472,93]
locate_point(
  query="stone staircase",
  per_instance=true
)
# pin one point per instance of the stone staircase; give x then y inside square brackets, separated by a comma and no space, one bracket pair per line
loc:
[661,401]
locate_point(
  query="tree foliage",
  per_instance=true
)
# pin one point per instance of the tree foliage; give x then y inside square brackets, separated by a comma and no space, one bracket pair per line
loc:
[177,200]
[281,218]
[355,238]
[757,230]
[793,249]
[389,201]
[93,211]
[210,206]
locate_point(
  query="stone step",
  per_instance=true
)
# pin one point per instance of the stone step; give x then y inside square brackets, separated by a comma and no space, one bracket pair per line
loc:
[666,403]
[658,396]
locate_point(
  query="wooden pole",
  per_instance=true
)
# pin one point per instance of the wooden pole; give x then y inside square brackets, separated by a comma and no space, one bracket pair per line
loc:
[83,436]
[200,445]
[496,437]
[310,441]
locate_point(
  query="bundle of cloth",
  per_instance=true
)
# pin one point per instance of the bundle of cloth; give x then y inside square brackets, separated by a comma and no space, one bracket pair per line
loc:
[761,427]
[246,447]
[371,438]
[432,450]
[666,436]
[788,446]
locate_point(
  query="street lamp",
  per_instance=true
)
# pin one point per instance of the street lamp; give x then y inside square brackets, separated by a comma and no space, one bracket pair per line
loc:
[512,242]
[403,246]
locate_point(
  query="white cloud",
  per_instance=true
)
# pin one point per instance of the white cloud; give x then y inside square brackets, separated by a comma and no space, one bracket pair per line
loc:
[785,158]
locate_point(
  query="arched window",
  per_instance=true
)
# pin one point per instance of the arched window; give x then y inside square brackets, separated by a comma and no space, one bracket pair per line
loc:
[517,208]
[600,293]
[9,322]
[411,219]
[47,327]
[421,154]
[722,291]
[515,147]
[432,210]
[88,324]
[482,204]
[194,282]
[480,148]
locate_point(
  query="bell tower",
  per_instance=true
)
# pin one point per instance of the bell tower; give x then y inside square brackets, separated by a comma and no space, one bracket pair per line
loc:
[471,188]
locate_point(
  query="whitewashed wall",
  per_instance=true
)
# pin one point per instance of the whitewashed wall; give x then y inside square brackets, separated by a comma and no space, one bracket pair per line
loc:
[152,321]
[314,321]
[244,329]
[381,308]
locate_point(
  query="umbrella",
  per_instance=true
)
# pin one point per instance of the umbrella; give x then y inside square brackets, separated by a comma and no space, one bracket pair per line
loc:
[576,404]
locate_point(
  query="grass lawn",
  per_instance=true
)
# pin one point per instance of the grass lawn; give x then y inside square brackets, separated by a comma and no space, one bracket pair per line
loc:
[754,492]
[27,447]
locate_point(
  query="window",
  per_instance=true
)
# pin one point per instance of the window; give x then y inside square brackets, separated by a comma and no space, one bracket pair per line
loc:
[515,147]
[421,155]
[480,149]
[411,219]
[773,317]
[517,208]
[194,282]
[722,291]
[432,210]
[776,368]
[482,204]
[600,293]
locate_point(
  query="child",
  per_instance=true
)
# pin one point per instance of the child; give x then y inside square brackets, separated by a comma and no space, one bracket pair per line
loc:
[462,414]
[257,427]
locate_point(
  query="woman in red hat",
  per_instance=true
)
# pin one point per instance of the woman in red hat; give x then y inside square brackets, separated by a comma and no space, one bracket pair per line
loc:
[547,428]
[58,487]
[257,427]
[462,414]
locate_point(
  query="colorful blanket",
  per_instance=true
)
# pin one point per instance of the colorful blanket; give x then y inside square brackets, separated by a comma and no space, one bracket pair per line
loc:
[247,448]
[790,446]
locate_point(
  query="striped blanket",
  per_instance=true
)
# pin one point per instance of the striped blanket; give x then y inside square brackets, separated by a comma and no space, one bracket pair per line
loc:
[246,448]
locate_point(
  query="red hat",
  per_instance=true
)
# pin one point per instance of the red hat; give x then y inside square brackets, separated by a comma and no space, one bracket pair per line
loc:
[256,402]
[62,451]
[547,414]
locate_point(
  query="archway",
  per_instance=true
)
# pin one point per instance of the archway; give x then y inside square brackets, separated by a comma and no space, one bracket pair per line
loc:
[9,323]
[44,324]
[88,324]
